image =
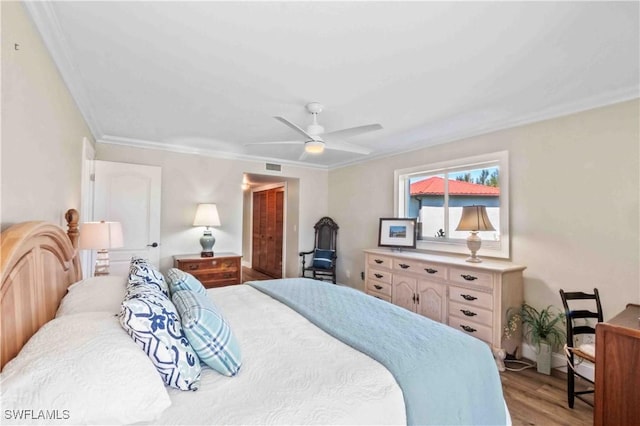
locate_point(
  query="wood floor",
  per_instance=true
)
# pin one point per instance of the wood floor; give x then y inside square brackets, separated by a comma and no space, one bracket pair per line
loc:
[532,398]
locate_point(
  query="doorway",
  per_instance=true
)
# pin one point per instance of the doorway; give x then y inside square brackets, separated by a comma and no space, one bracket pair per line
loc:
[290,246]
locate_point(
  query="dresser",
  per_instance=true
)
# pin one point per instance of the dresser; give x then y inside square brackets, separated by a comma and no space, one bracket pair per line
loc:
[220,270]
[617,382]
[471,297]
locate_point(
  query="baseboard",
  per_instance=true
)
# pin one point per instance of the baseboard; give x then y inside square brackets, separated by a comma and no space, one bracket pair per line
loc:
[560,362]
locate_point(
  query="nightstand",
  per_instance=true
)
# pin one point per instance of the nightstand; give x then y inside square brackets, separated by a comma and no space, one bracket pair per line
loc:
[217,271]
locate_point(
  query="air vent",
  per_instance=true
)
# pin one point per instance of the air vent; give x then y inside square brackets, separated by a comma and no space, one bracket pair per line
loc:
[274,167]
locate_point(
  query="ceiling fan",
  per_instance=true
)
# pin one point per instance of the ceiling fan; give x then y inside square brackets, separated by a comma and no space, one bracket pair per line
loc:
[316,140]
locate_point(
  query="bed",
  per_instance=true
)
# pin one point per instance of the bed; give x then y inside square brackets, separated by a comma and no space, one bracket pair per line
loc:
[68,361]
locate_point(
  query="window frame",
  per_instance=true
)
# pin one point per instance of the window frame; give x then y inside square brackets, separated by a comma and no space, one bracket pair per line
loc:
[499,249]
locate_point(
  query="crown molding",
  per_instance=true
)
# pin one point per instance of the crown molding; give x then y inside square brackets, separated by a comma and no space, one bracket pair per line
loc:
[44,17]
[182,149]
[594,102]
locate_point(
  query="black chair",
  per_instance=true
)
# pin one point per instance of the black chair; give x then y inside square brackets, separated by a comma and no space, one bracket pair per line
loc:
[577,328]
[323,261]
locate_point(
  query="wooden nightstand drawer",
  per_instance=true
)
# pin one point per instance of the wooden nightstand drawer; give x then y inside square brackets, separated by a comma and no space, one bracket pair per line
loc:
[220,270]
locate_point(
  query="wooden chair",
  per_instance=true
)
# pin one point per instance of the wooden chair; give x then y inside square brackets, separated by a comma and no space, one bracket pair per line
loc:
[575,329]
[324,257]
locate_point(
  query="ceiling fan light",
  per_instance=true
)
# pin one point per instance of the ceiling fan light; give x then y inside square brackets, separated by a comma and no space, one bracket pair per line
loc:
[314,147]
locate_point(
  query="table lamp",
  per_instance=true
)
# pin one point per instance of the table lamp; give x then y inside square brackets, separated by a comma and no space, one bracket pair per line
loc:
[101,236]
[207,215]
[474,219]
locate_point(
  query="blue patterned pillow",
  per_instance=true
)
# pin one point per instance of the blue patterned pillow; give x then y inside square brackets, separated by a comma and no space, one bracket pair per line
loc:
[143,273]
[180,280]
[208,332]
[153,323]
[323,259]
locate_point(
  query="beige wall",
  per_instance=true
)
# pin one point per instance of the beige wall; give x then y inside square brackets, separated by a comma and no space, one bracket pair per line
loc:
[575,186]
[191,179]
[42,129]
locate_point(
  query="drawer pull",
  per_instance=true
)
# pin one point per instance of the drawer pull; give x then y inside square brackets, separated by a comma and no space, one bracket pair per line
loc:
[469,277]
[378,275]
[430,270]
[228,275]
[378,261]
[468,297]
[467,328]
[378,287]
[403,265]
[193,267]
[468,312]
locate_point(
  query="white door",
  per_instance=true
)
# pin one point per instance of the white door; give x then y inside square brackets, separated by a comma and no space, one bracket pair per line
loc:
[130,194]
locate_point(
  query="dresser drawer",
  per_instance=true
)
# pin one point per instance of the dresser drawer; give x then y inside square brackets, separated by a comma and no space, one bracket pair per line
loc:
[432,270]
[406,265]
[474,329]
[471,313]
[380,261]
[471,297]
[380,296]
[380,275]
[379,287]
[466,276]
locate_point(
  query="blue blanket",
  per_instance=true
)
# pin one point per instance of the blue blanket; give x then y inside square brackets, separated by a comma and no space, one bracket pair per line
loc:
[446,377]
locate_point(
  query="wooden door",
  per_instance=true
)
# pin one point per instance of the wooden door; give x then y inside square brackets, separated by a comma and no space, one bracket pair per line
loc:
[268,225]
[130,194]
[432,300]
[403,292]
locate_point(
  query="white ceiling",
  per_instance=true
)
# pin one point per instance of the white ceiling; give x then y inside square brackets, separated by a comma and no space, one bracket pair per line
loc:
[208,77]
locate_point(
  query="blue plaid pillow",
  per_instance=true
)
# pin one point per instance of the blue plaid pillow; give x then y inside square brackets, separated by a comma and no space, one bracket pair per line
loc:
[180,280]
[153,323]
[143,273]
[323,259]
[208,332]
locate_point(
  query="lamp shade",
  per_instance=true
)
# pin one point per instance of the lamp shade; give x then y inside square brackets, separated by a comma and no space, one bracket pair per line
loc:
[207,215]
[100,235]
[474,218]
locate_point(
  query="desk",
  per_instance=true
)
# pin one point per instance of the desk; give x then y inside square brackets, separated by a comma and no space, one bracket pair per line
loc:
[617,397]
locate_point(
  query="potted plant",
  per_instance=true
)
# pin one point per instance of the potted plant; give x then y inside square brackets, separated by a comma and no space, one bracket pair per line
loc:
[542,329]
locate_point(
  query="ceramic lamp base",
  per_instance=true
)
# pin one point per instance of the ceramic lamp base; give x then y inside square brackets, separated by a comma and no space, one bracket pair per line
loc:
[102,263]
[207,241]
[474,243]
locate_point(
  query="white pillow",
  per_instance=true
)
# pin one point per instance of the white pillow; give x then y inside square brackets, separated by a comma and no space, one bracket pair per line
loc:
[87,368]
[95,294]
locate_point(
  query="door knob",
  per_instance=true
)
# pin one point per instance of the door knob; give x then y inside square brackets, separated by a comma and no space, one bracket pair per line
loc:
[152,245]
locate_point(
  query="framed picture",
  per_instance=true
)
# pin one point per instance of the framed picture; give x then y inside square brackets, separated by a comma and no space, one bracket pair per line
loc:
[397,232]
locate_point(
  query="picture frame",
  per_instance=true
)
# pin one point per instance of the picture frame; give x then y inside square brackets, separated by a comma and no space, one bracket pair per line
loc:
[397,232]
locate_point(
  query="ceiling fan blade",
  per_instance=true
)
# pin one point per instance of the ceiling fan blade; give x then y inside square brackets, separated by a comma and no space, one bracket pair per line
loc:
[345,146]
[275,143]
[352,131]
[294,127]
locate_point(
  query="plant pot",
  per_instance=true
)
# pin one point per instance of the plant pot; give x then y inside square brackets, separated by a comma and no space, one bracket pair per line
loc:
[544,358]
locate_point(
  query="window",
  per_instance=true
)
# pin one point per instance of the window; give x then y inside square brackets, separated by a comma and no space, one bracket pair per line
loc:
[436,193]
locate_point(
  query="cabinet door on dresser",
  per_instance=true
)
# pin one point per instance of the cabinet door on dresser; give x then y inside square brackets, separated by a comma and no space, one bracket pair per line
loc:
[404,292]
[432,300]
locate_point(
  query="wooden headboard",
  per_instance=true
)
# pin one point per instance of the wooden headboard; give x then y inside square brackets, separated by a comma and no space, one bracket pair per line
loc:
[38,263]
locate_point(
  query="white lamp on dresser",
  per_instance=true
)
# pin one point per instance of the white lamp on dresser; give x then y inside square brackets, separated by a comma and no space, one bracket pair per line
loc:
[474,219]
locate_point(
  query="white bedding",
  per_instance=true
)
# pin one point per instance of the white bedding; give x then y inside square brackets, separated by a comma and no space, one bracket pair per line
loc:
[331,384]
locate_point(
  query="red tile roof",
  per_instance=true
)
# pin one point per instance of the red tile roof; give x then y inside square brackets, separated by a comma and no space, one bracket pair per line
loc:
[435,186]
